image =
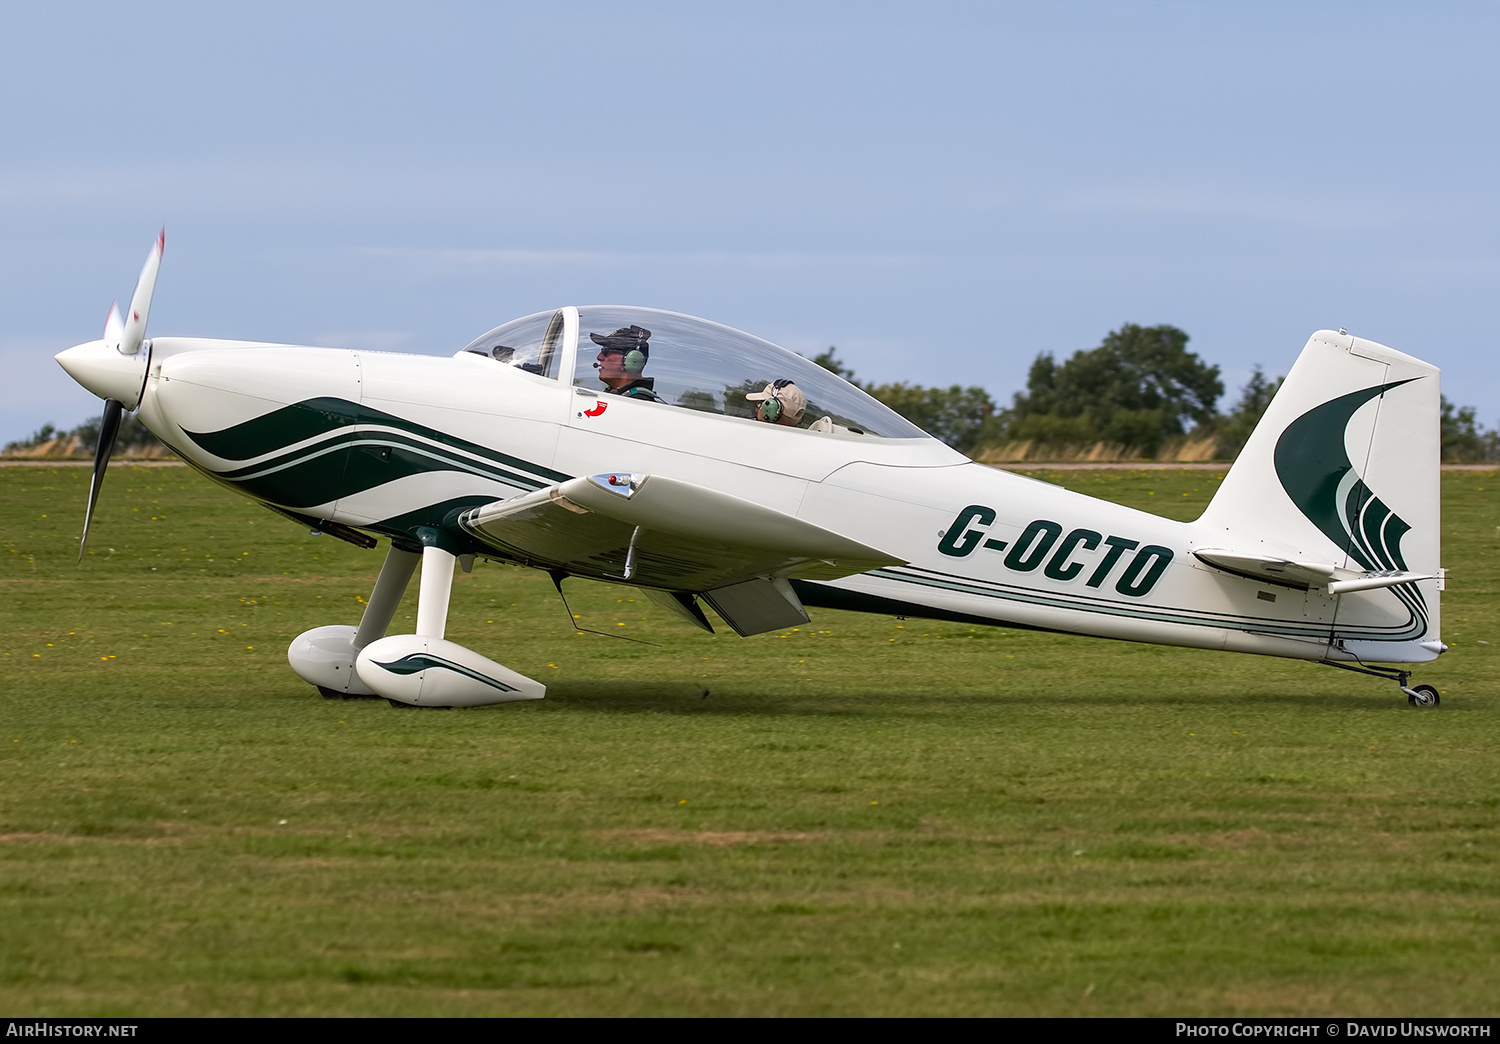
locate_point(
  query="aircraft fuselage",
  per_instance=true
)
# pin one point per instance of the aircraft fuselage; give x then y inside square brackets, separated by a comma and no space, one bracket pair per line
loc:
[396,444]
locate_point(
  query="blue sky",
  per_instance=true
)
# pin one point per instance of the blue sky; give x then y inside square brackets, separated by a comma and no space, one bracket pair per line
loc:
[940,190]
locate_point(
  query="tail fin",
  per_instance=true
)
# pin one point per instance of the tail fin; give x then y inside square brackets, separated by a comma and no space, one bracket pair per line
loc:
[1343,468]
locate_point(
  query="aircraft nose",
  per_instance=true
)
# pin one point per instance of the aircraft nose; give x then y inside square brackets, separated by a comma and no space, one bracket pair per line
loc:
[104,371]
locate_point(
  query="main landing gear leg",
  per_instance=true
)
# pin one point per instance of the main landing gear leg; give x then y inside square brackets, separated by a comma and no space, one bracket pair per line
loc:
[390,587]
[427,670]
[1417,696]
[325,656]
[434,594]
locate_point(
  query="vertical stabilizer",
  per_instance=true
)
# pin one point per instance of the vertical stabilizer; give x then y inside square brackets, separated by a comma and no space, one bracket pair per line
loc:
[1343,468]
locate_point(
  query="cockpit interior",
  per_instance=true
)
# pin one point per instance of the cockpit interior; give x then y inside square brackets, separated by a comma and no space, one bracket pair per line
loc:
[689,363]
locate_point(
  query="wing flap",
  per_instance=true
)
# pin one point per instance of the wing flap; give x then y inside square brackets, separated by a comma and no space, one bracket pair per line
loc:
[757,606]
[680,603]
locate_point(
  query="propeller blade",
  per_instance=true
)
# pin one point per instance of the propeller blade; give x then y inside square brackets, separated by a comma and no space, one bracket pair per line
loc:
[140,301]
[114,327]
[109,427]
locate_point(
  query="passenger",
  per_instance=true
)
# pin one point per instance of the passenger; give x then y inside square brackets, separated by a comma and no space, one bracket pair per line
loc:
[622,356]
[782,402]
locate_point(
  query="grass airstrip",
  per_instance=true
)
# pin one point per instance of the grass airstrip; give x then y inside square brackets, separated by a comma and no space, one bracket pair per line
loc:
[865,816]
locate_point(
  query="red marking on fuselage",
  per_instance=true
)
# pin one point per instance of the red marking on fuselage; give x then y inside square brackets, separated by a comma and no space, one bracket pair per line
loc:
[600,408]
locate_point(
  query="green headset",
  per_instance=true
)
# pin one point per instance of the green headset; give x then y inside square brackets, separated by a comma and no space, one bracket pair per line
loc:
[635,356]
[771,409]
[633,361]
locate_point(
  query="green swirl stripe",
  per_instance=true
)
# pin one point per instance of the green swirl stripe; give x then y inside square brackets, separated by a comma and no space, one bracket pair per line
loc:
[289,425]
[348,457]
[1314,468]
[413,663]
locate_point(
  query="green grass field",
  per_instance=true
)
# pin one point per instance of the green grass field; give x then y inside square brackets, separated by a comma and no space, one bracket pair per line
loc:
[861,817]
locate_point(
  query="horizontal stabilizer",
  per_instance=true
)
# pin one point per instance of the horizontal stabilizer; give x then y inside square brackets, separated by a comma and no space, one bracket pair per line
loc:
[1372,581]
[1269,568]
[1289,573]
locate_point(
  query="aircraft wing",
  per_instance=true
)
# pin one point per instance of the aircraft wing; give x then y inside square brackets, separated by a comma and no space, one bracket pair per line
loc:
[664,533]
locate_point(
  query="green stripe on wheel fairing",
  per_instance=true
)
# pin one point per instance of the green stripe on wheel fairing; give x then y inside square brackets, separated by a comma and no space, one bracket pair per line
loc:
[414,663]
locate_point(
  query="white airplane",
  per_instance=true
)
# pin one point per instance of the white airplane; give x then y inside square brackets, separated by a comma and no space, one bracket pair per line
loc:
[703,465]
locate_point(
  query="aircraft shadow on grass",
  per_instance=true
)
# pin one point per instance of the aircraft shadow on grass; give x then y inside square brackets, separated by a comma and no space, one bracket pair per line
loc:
[645,698]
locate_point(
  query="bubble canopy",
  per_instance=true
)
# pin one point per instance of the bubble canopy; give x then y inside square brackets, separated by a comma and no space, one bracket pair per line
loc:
[694,364]
[532,343]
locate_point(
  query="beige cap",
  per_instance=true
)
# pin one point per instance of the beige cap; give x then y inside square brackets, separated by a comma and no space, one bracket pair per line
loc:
[793,402]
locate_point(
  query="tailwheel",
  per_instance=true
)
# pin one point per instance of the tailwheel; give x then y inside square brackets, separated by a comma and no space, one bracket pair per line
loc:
[1422,696]
[1418,696]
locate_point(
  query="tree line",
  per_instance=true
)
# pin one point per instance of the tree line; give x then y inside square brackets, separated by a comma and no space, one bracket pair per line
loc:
[1140,394]
[133,440]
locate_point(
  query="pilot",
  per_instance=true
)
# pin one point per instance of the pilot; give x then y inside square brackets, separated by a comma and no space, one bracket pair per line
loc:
[782,402]
[622,357]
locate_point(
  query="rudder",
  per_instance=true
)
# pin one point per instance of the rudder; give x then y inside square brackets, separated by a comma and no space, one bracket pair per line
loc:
[1344,468]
